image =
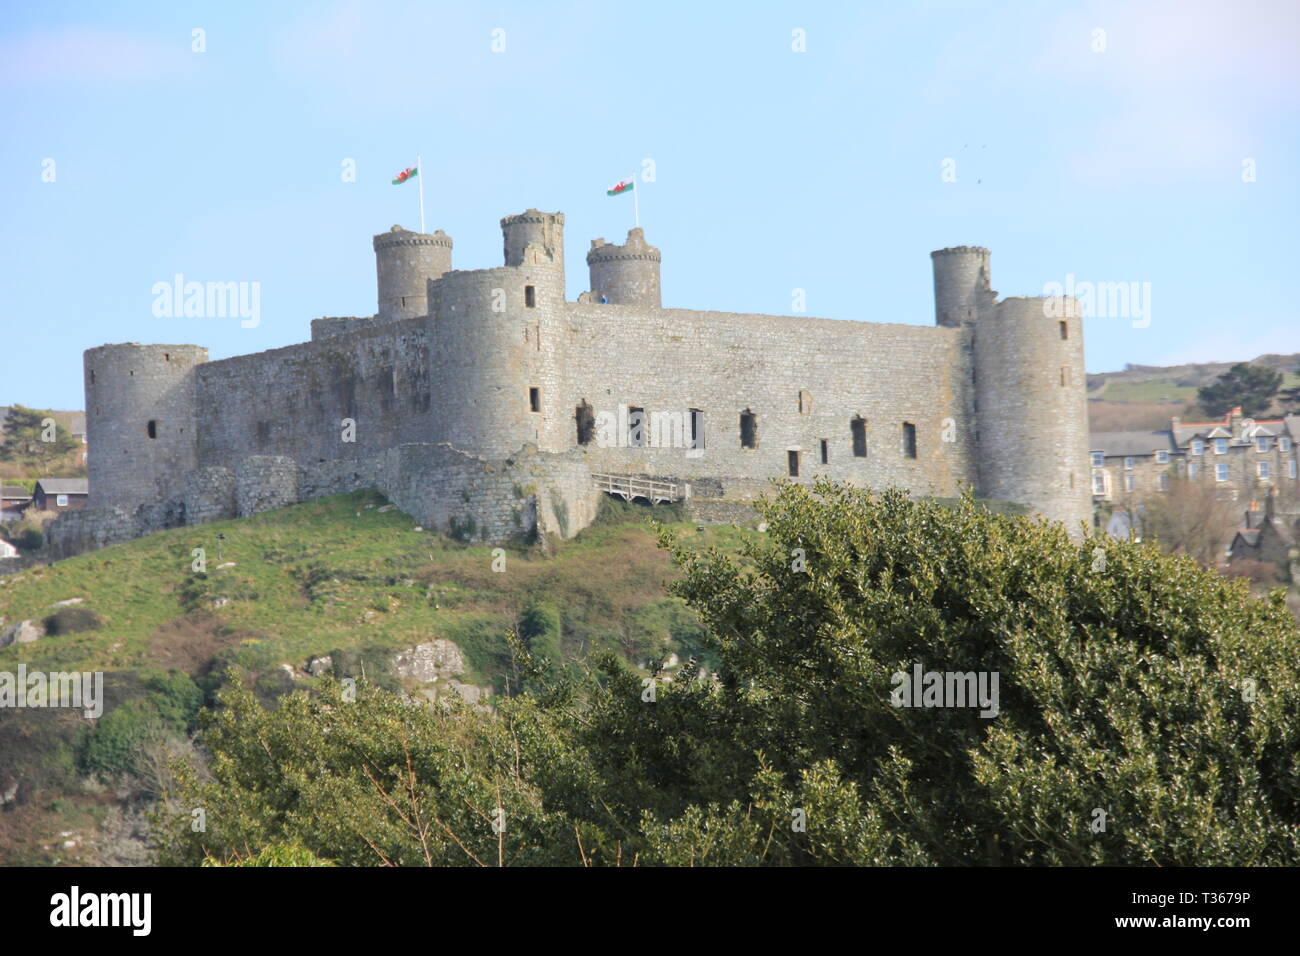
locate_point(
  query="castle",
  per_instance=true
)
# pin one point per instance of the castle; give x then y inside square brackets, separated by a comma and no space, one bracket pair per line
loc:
[485,405]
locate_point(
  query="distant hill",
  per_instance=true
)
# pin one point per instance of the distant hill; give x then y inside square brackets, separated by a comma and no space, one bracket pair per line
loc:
[1146,396]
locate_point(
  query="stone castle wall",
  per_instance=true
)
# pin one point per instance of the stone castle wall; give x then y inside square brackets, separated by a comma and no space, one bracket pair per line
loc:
[463,394]
[805,380]
[292,401]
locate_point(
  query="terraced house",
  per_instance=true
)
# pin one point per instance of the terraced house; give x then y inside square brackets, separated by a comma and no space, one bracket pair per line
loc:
[1246,458]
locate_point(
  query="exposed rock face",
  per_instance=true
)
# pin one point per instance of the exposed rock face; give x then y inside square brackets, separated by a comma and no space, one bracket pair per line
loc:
[318,666]
[438,659]
[21,632]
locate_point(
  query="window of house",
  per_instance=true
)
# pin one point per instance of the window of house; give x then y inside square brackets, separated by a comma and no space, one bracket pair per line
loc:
[1129,461]
[1193,469]
[1098,482]
[61,500]
[1263,470]
[1065,329]
[530,296]
[1221,472]
[1284,444]
[152,428]
[1198,446]
[1130,482]
[1220,446]
[534,399]
[586,422]
[1261,443]
[859,428]
[1291,468]
[826,451]
[792,463]
[909,439]
[748,429]
[636,427]
[1099,459]
[1162,457]
[1164,482]
[697,428]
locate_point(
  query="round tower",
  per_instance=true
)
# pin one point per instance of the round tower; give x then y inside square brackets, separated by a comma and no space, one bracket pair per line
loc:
[141,422]
[961,284]
[543,231]
[626,274]
[1032,412]
[496,339]
[405,262]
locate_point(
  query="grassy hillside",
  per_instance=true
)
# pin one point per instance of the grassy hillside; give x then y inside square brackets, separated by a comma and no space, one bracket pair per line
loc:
[345,576]
[1147,396]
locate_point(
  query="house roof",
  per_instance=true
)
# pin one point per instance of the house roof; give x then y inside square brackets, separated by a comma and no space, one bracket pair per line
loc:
[64,486]
[1248,535]
[1132,443]
[13,491]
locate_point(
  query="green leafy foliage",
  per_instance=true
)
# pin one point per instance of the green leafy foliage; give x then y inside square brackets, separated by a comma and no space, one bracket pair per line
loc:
[1251,387]
[1132,685]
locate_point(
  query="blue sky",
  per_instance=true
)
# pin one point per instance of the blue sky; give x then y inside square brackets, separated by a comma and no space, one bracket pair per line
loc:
[775,170]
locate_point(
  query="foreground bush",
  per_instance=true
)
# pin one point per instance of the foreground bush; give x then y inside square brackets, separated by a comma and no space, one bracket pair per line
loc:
[1146,714]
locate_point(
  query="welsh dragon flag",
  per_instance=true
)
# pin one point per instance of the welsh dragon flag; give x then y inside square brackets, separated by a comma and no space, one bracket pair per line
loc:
[406,174]
[619,188]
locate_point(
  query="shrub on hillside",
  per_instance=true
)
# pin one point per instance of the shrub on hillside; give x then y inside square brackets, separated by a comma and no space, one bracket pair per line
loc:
[71,620]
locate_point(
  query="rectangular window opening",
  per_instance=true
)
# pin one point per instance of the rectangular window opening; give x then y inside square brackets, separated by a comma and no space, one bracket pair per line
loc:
[534,399]
[586,420]
[152,428]
[636,427]
[826,451]
[792,463]
[909,439]
[748,429]
[530,296]
[1065,329]
[697,428]
[859,429]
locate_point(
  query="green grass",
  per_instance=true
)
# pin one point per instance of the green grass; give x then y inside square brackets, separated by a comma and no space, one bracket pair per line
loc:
[337,574]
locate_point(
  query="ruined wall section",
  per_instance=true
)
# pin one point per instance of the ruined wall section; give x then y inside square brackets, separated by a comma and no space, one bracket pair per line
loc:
[477,498]
[292,401]
[805,379]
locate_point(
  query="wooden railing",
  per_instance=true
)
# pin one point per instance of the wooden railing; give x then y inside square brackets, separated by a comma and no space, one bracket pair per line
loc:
[628,487]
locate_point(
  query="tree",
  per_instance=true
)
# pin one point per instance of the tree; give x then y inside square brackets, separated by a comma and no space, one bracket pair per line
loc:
[1192,517]
[1250,387]
[25,437]
[1139,692]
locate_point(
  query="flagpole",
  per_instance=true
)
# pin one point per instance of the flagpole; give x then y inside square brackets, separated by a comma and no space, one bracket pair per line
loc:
[636,202]
[420,183]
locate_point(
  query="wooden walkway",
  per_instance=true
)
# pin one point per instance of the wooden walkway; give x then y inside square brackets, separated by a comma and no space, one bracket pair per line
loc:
[627,487]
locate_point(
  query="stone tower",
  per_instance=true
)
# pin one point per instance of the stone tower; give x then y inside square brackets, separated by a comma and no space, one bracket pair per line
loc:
[542,231]
[405,261]
[626,274]
[961,285]
[141,423]
[496,341]
[1030,391]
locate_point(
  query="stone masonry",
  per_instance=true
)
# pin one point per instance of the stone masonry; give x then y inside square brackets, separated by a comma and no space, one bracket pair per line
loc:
[482,402]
